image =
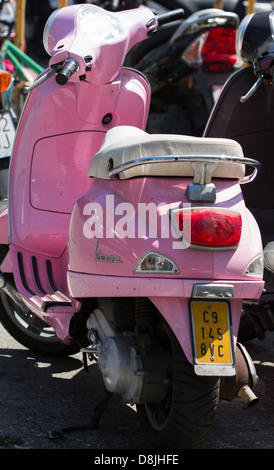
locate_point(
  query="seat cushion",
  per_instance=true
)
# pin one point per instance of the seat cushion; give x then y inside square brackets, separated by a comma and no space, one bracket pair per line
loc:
[123,144]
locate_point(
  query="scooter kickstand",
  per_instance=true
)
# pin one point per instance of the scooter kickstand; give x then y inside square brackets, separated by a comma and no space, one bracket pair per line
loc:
[98,412]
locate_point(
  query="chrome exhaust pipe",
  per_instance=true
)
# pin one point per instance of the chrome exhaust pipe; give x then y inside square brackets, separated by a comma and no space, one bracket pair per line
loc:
[248,396]
[246,373]
[243,382]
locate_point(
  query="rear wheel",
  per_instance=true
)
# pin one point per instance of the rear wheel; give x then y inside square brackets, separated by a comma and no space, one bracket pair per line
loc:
[183,419]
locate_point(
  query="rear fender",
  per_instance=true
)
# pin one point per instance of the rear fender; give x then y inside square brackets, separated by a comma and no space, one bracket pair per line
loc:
[175,310]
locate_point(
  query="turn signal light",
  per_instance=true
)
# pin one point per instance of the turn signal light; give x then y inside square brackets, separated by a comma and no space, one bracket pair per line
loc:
[153,262]
[255,268]
[5,79]
[209,227]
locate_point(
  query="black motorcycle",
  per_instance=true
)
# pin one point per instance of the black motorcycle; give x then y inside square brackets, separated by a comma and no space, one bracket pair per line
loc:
[245,112]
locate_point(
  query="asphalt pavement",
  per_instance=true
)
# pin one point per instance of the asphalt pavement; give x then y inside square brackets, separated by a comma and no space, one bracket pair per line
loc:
[41,394]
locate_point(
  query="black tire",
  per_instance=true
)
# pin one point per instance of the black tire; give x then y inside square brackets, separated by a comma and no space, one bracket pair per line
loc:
[30,331]
[185,417]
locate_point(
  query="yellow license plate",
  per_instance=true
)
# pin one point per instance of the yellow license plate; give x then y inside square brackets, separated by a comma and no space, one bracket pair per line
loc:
[212,337]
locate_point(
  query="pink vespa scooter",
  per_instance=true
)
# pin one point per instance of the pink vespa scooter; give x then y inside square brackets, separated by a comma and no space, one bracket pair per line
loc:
[139,247]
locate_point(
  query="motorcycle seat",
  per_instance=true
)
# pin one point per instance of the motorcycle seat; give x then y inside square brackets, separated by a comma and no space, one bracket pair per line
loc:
[124,144]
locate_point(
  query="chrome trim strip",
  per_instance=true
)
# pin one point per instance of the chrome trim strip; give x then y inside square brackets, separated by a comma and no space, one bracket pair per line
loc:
[213,291]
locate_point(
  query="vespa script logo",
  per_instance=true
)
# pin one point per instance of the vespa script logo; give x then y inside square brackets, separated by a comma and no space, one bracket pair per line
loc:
[99,256]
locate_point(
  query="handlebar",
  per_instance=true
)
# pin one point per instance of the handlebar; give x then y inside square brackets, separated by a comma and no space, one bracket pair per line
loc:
[40,79]
[170,16]
[69,68]
[64,72]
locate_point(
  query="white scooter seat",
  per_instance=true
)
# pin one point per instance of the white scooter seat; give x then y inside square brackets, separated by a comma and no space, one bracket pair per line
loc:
[123,144]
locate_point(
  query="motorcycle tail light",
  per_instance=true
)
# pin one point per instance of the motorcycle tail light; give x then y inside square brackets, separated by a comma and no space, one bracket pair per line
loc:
[5,79]
[219,49]
[209,227]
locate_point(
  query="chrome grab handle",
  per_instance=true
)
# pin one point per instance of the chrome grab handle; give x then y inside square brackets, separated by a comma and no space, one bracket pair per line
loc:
[206,159]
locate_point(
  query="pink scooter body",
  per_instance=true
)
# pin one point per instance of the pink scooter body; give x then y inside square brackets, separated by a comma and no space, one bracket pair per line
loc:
[59,131]
[105,266]
[54,264]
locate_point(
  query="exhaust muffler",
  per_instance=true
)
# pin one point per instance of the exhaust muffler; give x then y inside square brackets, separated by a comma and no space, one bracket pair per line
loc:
[241,384]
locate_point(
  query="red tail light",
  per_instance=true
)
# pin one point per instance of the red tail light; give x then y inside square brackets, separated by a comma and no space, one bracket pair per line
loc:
[209,227]
[219,51]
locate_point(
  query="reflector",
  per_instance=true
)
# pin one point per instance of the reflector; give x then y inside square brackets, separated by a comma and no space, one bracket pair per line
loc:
[5,79]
